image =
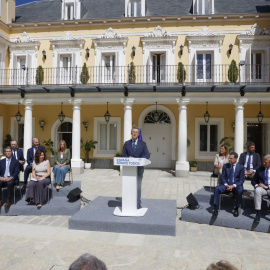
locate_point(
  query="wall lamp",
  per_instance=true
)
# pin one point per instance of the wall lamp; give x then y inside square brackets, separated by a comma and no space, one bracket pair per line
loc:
[87,52]
[107,115]
[61,115]
[230,48]
[44,54]
[206,115]
[85,124]
[181,49]
[41,124]
[18,114]
[133,50]
[260,115]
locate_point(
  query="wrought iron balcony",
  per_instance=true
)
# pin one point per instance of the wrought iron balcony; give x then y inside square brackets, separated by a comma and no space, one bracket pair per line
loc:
[198,75]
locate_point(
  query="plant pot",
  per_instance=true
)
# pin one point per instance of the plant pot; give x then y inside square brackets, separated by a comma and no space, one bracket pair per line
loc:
[87,165]
[193,169]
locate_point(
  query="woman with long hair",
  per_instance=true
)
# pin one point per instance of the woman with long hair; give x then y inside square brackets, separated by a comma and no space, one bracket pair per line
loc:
[62,164]
[220,159]
[37,187]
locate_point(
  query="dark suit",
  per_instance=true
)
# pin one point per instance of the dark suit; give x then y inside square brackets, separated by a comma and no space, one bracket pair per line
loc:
[141,151]
[19,156]
[30,159]
[239,178]
[256,160]
[258,178]
[14,170]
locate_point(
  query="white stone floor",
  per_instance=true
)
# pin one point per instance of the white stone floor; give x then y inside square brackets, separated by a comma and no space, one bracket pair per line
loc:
[45,242]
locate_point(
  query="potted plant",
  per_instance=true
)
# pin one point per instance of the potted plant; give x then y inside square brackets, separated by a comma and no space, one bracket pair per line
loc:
[193,166]
[86,148]
[39,75]
[132,73]
[233,72]
[49,147]
[84,77]
[181,73]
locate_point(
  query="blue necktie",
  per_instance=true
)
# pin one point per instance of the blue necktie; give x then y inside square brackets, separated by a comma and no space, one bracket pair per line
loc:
[231,175]
[7,173]
[133,146]
[266,177]
[248,163]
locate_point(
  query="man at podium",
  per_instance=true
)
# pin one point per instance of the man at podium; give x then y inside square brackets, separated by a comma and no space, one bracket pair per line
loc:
[136,148]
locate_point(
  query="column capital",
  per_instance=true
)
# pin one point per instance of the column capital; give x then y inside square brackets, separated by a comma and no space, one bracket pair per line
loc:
[76,101]
[127,101]
[28,104]
[183,101]
[240,102]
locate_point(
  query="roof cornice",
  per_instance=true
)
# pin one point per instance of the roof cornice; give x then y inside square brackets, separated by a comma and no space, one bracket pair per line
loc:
[141,20]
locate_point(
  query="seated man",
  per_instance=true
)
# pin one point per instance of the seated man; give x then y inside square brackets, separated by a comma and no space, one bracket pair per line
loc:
[9,171]
[31,157]
[17,153]
[232,180]
[261,183]
[250,160]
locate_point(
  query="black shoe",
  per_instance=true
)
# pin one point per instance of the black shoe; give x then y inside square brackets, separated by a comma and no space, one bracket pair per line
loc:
[236,211]
[139,206]
[258,217]
[215,212]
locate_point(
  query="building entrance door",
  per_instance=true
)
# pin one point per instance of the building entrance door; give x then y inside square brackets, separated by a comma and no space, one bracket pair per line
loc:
[157,136]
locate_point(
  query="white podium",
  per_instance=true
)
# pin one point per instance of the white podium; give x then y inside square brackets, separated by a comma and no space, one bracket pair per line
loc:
[129,187]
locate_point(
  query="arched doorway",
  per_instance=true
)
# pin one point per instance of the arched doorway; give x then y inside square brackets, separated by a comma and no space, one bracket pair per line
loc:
[62,131]
[159,136]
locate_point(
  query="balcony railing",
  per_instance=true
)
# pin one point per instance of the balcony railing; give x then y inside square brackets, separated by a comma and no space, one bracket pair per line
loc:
[148,74]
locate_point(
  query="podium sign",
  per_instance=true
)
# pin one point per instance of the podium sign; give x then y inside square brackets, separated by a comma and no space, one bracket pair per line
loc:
[129,186]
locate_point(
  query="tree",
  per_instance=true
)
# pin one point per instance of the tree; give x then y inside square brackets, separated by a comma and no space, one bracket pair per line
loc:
[233,72]
[39,75]
[180,70]
[84,74]
[132,73]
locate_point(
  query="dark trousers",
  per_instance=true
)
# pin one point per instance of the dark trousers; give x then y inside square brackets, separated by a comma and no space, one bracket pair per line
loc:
[10,185]
[27,171]
[238,190]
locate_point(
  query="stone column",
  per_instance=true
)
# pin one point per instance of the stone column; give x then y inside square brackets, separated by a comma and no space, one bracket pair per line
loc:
[128,102]
[76,162]
[239,125]
[182,165]
[28,132]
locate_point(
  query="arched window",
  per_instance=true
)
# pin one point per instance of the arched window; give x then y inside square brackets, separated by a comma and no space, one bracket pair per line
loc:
[163,118]
[64,132]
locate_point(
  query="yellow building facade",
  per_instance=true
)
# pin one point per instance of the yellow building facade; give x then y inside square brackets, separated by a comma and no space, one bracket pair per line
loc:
[160,73]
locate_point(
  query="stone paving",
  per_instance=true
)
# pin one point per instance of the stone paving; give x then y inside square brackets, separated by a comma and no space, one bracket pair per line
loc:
[45,242]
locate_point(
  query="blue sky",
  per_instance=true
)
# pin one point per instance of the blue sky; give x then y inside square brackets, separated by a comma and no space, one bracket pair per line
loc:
[21,2]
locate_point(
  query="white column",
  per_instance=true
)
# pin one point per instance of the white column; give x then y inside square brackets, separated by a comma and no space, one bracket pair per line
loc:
[182,165]
[239,125]
[28,132]
[127,117]
[76,162]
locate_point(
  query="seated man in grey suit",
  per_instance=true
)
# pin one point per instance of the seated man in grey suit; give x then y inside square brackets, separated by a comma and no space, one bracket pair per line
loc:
[232,180]
[261,183]
[250,160]
[137,149]
[9,171]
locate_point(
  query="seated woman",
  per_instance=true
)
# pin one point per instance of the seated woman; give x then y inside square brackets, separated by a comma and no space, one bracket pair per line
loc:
[220,159]
[37,188]
[62,161]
